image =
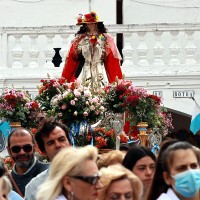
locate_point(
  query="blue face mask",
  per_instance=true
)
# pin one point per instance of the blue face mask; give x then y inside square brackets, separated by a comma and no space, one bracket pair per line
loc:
[187,183]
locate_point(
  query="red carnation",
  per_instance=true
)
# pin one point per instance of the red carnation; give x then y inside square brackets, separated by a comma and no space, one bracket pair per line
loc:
[34,105]
[132,100]
[155,98]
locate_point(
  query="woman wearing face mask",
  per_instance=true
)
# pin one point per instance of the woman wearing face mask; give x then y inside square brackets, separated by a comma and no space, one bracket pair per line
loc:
[93,56]
[179,169]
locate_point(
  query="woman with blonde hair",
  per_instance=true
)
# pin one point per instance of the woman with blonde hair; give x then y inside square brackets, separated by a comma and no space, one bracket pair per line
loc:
[5,185]
[110,158]
[118,182]
[73,175]
[5,188]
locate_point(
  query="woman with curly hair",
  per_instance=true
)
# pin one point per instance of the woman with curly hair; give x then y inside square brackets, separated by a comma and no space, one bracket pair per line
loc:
[110,158]
[119,183]
[93,55]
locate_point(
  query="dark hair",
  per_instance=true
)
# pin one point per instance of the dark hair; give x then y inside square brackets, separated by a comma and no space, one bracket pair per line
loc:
[18,130]
[164,159]
[84,28]
[124,147]
[48,126]
[2,169]
[134,154]
[167,157]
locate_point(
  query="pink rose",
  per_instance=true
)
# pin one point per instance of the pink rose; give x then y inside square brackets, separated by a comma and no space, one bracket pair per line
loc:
[65,93]
[56,84]
[77,93]
[97,112]
[90,100]
[85,114]
[60,97]
[87,93]
[95,99]
[102,108]
[92,107]
[55,101]
[72,102]
[64,106]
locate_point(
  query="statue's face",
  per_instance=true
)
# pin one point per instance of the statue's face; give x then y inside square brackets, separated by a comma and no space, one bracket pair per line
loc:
[92,26]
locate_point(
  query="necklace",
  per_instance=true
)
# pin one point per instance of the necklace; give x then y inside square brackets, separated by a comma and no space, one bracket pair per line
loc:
[94,37]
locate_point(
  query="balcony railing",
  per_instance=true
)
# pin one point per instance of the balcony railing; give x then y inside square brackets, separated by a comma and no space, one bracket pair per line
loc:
[164,58]
[154,48]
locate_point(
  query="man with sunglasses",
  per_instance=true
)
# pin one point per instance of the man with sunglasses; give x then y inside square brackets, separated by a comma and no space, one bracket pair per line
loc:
[51,138]
[21,148]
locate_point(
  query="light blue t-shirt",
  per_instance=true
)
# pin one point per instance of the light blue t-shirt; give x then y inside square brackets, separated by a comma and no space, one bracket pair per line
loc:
[14,196]
[32,187]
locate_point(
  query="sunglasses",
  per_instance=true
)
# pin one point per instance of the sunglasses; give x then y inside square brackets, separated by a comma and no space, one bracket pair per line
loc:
[89,179]
[26,148]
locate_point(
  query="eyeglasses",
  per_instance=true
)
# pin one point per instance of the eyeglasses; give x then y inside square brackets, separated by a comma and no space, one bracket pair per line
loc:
[26,148]
[89,179]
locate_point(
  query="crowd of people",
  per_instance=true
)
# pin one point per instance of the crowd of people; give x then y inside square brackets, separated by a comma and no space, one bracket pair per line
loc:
[81,173]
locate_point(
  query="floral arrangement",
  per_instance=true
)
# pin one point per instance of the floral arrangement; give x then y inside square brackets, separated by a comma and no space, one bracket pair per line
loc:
[101,137]
[142,107]
[31,116]
[76,103]
[104,138]
[165,122]
[17,106]
[47,90]
[138,105]
[9,162]
[114,95]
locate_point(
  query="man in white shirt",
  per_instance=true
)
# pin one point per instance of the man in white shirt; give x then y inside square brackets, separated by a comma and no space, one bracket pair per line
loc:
[51,138]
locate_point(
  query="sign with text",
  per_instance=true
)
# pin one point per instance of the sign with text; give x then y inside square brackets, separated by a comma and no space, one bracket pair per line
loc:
[158,93]
[183,94]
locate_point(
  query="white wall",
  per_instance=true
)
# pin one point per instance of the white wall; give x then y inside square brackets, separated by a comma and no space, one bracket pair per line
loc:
[31,13]
[161,11]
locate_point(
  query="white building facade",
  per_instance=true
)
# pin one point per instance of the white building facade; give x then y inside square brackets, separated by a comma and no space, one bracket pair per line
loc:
[160,44]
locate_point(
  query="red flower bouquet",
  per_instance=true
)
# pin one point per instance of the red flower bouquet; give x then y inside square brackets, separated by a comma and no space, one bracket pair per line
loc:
[9,162]
[144,107]
[47,90]
[106,139]
[17,106]
[115,96]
